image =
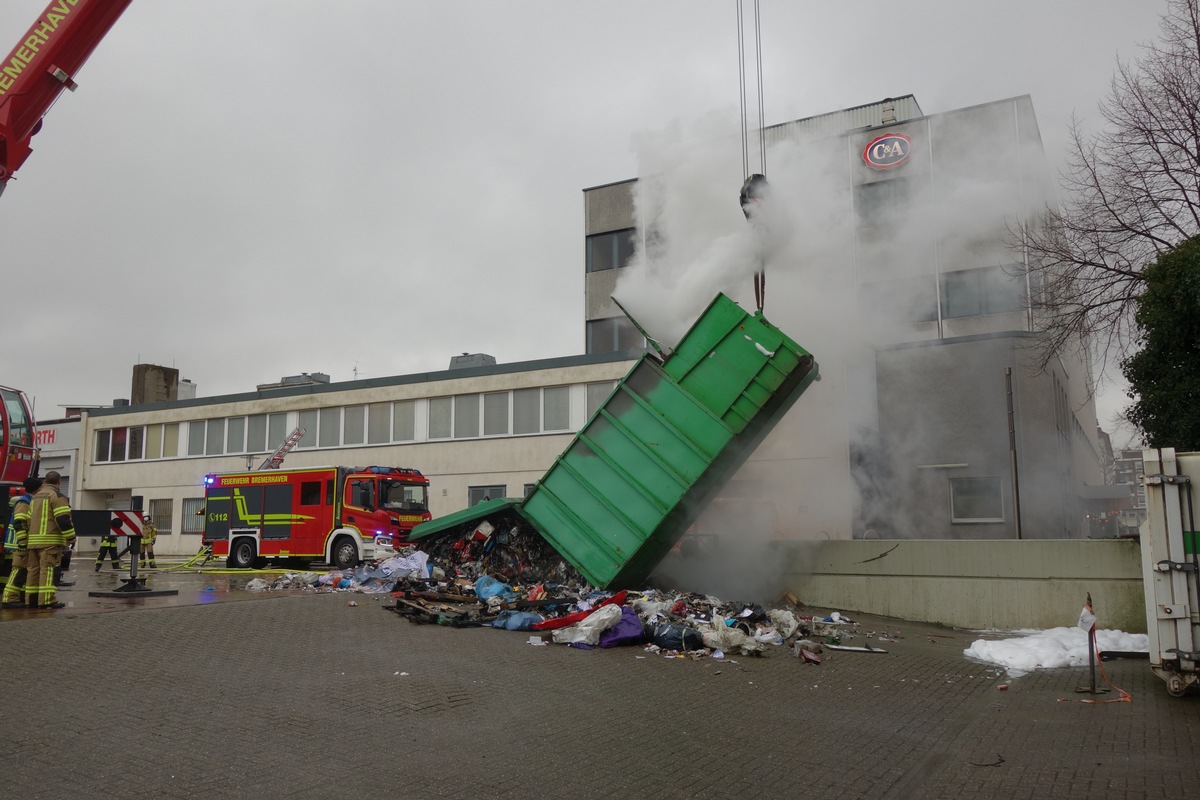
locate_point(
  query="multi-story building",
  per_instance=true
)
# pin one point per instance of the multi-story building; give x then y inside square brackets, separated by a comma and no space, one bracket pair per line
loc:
[932,420]
[1129,472]
[475,431]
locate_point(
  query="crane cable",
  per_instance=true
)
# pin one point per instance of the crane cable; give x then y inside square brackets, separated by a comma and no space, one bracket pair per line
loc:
[755,183]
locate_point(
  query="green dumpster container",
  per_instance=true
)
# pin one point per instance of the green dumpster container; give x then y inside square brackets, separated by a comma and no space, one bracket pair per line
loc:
[670,435]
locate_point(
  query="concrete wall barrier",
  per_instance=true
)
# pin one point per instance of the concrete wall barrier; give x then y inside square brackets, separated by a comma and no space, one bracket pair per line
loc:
[977,584]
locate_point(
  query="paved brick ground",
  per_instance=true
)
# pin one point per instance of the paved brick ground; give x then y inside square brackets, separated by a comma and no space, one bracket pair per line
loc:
[300,696]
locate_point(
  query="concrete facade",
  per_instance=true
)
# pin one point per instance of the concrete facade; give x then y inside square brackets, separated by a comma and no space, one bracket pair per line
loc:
[926,337]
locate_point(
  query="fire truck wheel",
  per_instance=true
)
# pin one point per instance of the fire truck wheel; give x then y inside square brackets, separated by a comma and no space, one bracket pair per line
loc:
[241,554]
[345,553]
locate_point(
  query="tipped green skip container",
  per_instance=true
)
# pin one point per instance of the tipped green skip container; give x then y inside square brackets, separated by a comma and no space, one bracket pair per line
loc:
[667,439]
[670,435]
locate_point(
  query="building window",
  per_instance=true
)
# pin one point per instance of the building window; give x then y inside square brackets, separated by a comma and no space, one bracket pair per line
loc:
[379,423]
[556,401]
[126,444]
[478,494]
[137,437]
[331,427]
[264,432]
[972,292]
[308,421]
[256,434]
[882,202]
[355,432]
[901,299]
[160,512]
[613,334]
[236,433]
[526,411]
[610,250]
[215,442]
[404,418]
[193,515]
[597,393]
[529,487]
[495,414]
[466,416]
[441,410]
[117,450]
[154,441]
[102,443]
[195,445]
[976,500]
[277,431]
[170,442]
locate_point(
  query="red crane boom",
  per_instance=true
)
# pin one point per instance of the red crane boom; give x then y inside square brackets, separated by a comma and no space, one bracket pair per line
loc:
[44,63]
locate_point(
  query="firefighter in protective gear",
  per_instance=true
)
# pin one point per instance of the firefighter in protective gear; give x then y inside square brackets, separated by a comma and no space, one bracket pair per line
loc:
[108,547]
[50,530]
[10,544]
[149,534]
[16,543]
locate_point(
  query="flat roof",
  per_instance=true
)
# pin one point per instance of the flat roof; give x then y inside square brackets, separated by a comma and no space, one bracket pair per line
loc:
[368,383]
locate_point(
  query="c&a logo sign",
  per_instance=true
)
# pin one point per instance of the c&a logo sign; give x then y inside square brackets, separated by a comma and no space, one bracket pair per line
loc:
[888,151]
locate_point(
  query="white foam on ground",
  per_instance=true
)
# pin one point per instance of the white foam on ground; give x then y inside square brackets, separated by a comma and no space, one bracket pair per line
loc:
[1051,649]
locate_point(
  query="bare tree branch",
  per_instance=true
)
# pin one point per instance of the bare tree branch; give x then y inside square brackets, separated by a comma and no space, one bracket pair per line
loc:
[1132,193]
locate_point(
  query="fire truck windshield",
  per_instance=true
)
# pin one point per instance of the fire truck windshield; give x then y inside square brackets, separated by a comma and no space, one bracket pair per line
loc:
[398,496]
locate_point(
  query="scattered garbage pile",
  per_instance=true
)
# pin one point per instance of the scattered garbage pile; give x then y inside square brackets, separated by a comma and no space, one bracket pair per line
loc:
[503,546]
[671,624]
[502,574]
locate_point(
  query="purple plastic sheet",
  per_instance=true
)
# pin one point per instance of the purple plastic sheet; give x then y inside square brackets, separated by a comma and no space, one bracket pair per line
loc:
[628,630]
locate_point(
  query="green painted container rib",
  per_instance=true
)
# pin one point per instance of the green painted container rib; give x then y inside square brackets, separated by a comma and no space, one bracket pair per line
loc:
[670,435]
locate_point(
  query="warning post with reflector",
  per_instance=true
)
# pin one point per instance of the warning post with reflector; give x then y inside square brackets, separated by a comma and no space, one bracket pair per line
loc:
[129,525]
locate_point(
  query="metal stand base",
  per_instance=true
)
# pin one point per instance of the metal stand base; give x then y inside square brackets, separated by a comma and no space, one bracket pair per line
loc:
[1091,689]
[133,586]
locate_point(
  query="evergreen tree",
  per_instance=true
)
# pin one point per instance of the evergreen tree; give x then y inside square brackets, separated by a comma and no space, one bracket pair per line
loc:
[1164,376]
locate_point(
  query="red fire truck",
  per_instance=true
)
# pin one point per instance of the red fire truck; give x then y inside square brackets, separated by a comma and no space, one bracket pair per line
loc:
[18,439]
[340,515]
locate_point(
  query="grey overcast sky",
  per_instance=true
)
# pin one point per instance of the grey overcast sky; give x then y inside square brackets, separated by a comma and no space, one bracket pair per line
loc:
[247,189]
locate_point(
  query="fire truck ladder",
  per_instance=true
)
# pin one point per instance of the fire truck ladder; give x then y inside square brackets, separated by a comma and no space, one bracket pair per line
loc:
[275,459]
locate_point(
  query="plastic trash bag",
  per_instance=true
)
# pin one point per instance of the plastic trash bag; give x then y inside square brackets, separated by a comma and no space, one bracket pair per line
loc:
[516,620]
[487,587]
[404,566]
[588,629]
[784,621]
[731,640]
[676,636]
[768,636]
[628,630]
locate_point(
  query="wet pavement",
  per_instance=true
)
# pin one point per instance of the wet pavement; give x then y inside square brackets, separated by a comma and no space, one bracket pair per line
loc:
[219,692]
[191,587]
